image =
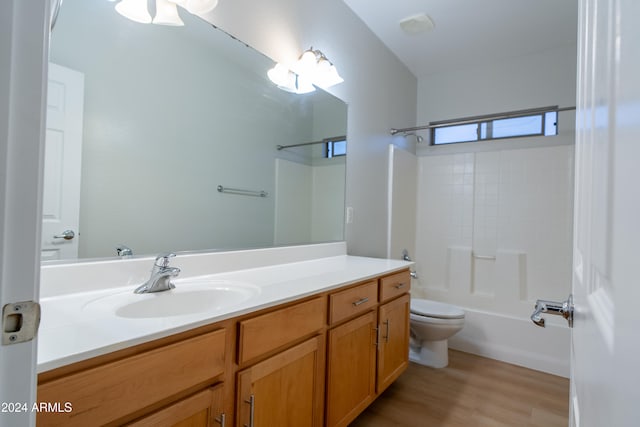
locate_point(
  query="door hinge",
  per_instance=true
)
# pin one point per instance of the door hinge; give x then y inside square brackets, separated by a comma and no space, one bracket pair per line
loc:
[20,321]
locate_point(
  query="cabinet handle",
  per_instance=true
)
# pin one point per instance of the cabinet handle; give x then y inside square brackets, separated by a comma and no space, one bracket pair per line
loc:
[360,301]
[221,420]
[252,405]
[399,286]
[377,342]
[386,338]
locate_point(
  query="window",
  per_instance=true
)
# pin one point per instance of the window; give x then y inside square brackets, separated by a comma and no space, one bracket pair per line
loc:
[335,147]
[538,122]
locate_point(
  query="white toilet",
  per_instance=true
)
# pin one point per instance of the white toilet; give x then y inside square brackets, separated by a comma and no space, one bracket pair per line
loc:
[432,323]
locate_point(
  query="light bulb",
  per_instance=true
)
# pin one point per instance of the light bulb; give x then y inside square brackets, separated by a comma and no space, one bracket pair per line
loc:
[198,7]
[167,13]
[323,66]
[307,63]
[333,76]
[303,84]
[136,10]
[283,78]
[327,78]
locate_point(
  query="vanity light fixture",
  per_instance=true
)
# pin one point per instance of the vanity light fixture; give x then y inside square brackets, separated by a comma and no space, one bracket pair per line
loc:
[316,67]
[166,10]
[312,68]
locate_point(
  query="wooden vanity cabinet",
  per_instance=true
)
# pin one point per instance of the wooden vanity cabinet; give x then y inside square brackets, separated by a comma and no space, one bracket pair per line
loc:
[367,353]
[280,381]
[351,369]
[260,335]
[351,352]
[284,390]
[203,409]
[121,390]
[393,345]
[315,362]
[393,323]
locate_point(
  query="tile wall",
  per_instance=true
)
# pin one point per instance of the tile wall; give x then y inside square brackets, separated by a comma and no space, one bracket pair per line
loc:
[495,227]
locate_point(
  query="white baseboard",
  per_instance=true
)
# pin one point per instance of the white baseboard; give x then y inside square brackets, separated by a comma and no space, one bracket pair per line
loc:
[516,341]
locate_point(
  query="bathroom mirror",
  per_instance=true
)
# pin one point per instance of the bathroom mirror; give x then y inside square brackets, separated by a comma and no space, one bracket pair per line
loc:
[170,114]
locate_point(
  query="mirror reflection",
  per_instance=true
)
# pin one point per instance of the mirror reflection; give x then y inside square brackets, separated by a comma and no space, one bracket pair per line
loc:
[145,122]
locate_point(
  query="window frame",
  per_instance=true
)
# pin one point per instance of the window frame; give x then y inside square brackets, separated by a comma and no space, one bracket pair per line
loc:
[328,145]
[489,120]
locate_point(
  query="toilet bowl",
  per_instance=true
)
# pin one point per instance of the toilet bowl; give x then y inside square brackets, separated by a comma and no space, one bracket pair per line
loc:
[432,324]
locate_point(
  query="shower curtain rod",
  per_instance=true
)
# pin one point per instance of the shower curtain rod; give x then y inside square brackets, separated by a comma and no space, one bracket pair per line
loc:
[333,138]
[281,147]
[474,119]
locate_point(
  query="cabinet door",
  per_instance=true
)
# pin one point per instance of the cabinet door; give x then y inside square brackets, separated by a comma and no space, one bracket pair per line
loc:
[393,350]
[351,369]
[203,409]
[284,390]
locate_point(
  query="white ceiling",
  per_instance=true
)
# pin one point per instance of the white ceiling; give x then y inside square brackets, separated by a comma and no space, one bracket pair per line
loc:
[469,32]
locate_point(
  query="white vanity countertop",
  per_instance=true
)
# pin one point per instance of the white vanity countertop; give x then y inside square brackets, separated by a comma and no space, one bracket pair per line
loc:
[71,330]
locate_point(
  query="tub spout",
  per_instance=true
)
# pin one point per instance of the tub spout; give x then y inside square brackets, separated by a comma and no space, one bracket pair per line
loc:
[564,309]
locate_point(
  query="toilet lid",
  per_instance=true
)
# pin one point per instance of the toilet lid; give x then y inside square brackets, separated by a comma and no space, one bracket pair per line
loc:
[435,309]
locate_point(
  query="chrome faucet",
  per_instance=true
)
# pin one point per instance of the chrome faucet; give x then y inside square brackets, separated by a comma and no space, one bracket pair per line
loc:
[124,251]
[161,275]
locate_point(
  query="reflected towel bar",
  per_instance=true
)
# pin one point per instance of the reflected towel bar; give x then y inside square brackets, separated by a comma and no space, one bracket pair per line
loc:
[242,192]
[489,257]
[282,147]
[324,141]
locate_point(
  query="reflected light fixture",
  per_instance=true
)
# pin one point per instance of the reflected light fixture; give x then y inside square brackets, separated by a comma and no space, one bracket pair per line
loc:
[166,10]
[312,68]
[167,14]
[136,10]
[198,6]
[289,81]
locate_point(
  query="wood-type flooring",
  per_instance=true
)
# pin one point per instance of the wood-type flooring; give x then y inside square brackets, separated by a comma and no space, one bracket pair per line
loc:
[472,391]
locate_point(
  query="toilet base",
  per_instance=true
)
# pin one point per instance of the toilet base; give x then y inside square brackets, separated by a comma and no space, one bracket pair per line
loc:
[434,354]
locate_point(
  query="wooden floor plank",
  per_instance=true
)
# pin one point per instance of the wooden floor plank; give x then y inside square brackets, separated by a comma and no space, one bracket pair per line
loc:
[471,391]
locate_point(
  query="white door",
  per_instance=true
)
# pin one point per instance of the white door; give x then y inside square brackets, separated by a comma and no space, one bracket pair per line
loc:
[605,380]
[62,160]
[23,53]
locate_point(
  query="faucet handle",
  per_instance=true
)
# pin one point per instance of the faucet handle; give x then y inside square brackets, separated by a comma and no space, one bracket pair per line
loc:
[162,260]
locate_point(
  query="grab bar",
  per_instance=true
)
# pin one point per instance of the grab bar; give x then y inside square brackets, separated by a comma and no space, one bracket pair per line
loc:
[260,193]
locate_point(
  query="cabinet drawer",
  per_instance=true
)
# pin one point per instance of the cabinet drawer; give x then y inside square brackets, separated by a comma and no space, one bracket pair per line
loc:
[394,285]
[196,410]
[267,332]
[106,393]
[350,302]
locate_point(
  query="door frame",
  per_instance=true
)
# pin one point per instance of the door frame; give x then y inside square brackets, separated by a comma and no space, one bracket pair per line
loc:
[24,40]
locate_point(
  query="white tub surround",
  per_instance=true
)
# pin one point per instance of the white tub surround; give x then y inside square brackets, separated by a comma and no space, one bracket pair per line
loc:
[71,330]
[515,340]
[494,235]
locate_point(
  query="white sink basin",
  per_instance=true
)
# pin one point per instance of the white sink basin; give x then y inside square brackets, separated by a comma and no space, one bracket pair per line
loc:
[188,298]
